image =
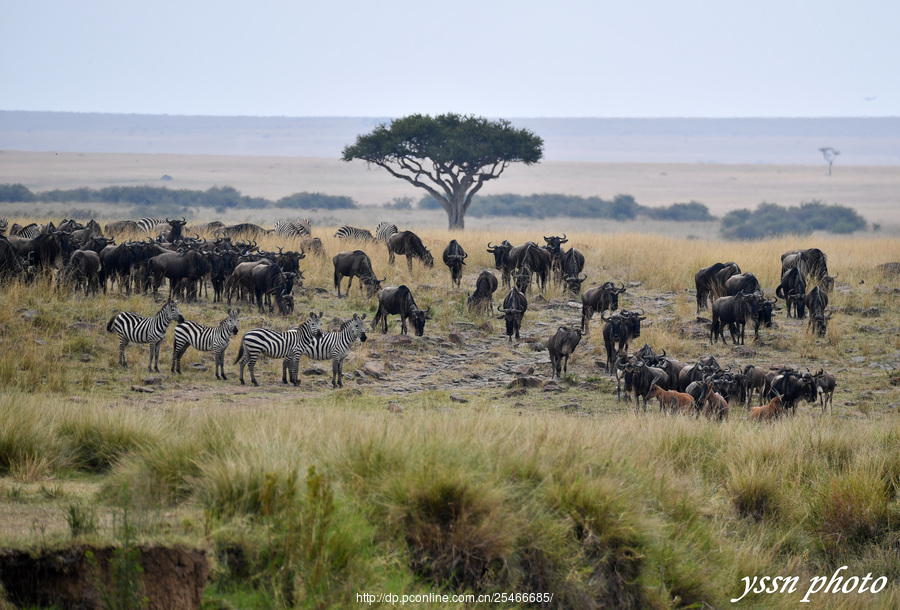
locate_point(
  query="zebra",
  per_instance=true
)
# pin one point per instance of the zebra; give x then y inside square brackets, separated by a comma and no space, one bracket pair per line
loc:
[335,346]
[384,230]
[346,232]
[145,225]
[130,327]
[27,232]
[285,228]
[262,341]
[206,339]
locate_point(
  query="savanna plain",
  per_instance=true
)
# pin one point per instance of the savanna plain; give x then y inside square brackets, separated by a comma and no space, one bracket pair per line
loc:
[434,471]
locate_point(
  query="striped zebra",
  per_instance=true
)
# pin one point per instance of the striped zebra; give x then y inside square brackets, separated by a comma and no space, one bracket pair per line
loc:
[28,232]
[262,341]
[205,339]
[346,232]
[334,346]
[145,225]
[384,230]
[130,327]
[285,228]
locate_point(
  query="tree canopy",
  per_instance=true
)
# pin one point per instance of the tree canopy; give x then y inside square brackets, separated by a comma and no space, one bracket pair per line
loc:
[450,156]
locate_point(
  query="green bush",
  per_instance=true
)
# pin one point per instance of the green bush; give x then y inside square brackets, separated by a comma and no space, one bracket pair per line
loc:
[771,219]
[309,201]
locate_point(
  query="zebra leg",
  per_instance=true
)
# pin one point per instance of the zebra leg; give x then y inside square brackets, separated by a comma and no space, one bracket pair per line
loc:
[220,363]
[337,373]
[242,364]
[251,366]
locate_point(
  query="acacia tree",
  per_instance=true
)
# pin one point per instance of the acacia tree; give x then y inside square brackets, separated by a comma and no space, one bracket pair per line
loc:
[450,156]
[830,154]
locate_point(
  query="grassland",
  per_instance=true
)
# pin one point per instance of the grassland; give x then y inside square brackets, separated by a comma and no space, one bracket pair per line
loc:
[435,476]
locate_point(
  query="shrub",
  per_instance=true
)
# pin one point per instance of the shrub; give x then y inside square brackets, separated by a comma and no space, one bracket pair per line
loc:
[771,219]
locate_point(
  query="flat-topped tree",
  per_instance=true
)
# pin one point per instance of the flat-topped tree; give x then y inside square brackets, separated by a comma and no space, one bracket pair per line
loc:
[450,156]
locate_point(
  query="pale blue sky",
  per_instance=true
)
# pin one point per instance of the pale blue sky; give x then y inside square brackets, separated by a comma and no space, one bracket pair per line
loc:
[654,58]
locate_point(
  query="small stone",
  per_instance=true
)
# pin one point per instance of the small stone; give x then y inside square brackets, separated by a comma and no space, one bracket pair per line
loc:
[457,338]
[153,380]
[514,392]
[199,366]
[393,407]
[553,386]
[524,369]
[635,284]
[144,389]
[373,369]
[457,398]
[858,359]
[85,357]
[488,327]
[526,381]
[314,370]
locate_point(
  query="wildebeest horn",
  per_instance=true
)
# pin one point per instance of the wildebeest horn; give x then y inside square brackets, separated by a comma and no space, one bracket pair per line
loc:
[563,239]
[501,310]
[167,219]
[604,317]
[622,289]
[491,248]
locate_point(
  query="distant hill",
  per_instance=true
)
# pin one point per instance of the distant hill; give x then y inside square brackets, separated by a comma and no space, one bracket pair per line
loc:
[861,141]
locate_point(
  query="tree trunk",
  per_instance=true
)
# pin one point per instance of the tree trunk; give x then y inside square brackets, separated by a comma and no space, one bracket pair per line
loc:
[455,213]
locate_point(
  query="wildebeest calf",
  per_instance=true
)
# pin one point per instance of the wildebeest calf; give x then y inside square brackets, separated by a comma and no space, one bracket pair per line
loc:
[561,346]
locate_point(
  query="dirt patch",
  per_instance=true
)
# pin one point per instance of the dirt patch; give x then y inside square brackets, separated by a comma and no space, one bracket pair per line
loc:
[173,578]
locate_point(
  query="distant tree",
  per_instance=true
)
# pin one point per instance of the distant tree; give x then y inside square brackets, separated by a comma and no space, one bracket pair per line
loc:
[829,154]
[449,156]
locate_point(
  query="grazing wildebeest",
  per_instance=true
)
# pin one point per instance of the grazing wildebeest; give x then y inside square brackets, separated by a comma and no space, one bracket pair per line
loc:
[572,266]
[355,264]
[561,345]
[813,265]
[513,309]
[454,257]
[481,299]
[530,259]
[735,312]
[741,282]
[598,299]
[816,301]
[826,384]
[181,268]
[400,301]
[408,244]
[792,289]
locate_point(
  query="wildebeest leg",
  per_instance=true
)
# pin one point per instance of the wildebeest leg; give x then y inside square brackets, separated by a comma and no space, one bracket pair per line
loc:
[409,263]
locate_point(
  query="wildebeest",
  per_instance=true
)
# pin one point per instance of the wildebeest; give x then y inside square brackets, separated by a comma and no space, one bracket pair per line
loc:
[793,386]
[529,259]
[355,264]
[84,271]
[598,299]
[183,269]
[12,264]
[741,282]
[270,280]
[175,230]
[561,345]
[712,404]
[408,244]
[501,260]
[639,377]
[572,266]
[244,229]
[118,227]
[754,382]
[455,257]
[792,289]
[813,265]
[816,301]
[554,247]
[513,309]
[400,301]
[710,282]
[482,298]
[826,384]
[769,412]
[671,401]
[736,312]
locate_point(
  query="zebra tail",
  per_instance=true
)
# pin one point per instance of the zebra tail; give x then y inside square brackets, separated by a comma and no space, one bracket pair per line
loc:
[109,325]
[240,353]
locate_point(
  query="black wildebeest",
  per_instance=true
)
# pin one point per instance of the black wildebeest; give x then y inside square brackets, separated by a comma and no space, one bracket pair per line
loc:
[118,227]
[735,312]
[597,299]
[355,264]
[741,282]
[554,245]
[710,282]
[408,244]
[174,232]
[501,260]
[792,289]
[792,387]
[400,301]
[270,280]
[532,260]
[513,309]
[12,264]
[481,299]
[455,257]
[826,384]
[561,345]
[816,301]
[639,377]
[244,229]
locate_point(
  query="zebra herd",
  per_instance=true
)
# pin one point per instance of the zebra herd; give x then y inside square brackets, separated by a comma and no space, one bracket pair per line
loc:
[290,345]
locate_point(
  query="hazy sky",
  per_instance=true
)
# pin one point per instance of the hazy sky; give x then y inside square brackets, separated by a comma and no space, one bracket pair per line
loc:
[525,58]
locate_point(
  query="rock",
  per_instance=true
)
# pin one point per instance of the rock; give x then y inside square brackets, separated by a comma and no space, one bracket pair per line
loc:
[524,369]
[393,407]
[456,398]
[199,366]
[400,339]
[30,315]
[141,388]
[153,380]
[553,386]
[314,370]
[487,327]
[514,392]
[635,284]
[858,359]
[373,369]
[457,338]
[85,357]
[526,381]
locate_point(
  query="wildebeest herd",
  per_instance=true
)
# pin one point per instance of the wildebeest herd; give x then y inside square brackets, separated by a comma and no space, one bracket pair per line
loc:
[88,259]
